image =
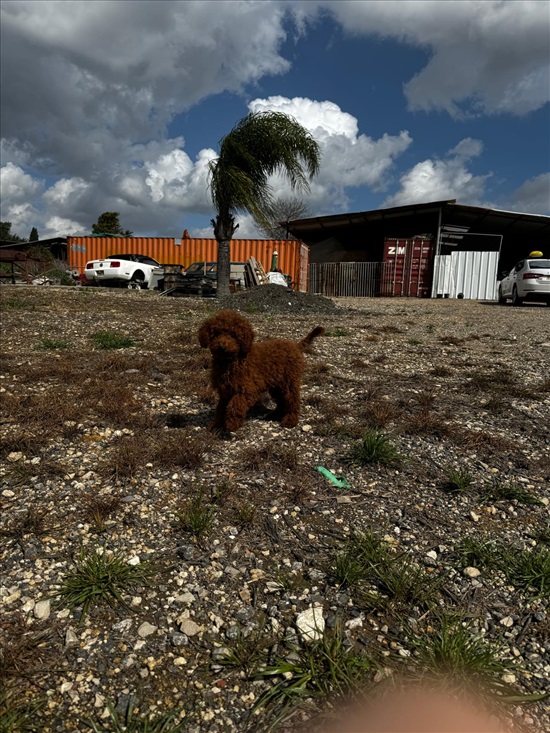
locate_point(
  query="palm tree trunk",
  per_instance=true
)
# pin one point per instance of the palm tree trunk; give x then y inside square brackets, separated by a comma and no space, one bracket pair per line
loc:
[224,228]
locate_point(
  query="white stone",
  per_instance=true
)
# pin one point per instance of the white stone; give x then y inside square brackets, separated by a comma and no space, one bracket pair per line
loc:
[432,554]
[42,610]
[509,678]
[189,627]
[474,517]
[507,621]
[65,687]
[185,598]
[146,629]
[355,623]
[180,661]
[311,624]
[70,637]
[134,560]
[306,428]
[471,572]
[15,456]
[8,493]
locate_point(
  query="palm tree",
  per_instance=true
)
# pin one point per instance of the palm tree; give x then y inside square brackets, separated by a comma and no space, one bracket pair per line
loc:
[259,145]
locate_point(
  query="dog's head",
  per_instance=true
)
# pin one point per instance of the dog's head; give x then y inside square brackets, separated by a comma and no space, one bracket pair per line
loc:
[228,335]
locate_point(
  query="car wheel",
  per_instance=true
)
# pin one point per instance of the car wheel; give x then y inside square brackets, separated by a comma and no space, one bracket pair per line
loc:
[516,300]
[501,298]
[137,282]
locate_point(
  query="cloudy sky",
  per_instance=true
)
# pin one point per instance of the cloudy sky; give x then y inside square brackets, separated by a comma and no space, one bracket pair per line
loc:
[120,105]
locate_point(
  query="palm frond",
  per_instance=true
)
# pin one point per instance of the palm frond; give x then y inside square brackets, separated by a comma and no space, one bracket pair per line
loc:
[260,145]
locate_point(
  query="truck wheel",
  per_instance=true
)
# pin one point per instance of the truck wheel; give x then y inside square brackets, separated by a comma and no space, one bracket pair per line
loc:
[137,282]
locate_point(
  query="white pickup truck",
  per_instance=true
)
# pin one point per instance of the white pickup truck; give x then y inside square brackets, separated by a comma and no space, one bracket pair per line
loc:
[133,271]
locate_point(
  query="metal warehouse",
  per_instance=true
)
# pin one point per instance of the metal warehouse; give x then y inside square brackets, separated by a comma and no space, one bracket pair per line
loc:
[438,249]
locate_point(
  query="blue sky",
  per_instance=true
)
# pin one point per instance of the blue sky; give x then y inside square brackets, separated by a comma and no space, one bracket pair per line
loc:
[120,106]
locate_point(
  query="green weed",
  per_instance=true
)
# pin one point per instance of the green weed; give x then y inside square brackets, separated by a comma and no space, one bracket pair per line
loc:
[197,517]
[459,481]
[143,723]
[375,448]
[327,667]
[47,344]
[110,340]
[99,577]
[529,571]
[501,492]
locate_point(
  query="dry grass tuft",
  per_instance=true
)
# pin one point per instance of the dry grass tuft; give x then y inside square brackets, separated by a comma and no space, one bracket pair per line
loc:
[271,455]
[29,522]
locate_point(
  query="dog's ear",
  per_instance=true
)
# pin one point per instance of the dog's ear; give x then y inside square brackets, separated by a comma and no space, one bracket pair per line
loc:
[204,334]
[245,336]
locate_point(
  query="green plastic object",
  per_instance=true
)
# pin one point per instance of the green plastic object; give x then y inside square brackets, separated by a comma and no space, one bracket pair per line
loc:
[340,482]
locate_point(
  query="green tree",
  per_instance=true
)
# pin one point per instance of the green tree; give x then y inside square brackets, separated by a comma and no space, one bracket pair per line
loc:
[109,223]
[6,234]
[282,211]
[259,145]
[34,235]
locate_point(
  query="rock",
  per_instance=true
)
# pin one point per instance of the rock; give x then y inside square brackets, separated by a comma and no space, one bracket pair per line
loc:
[311,624]
[509,678]
[146,629]
[354,623]
[134,560]
[506,621]
[186,552]
[123,626]
[189,627]
[177,639]
[474,517]
[70,637]
[185,598]
[42,610]
[471,572]
[244,614]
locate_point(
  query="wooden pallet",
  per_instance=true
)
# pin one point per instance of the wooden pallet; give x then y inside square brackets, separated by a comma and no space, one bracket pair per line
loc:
[258,275]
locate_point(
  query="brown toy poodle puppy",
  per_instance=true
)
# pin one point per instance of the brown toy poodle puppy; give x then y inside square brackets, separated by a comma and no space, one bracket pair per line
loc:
[242,371]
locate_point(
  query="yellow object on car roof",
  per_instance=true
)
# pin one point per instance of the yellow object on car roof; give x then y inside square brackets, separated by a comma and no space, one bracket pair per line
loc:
[536,253]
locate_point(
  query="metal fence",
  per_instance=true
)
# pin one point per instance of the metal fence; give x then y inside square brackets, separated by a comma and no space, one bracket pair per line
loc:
[350,279]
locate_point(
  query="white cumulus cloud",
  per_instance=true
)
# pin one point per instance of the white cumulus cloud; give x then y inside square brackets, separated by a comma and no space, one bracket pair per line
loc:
[436,180]
[486,56]
[349,158]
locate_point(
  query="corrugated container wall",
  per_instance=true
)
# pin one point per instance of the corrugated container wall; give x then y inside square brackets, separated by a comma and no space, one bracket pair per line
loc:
[412,270]
[293,254]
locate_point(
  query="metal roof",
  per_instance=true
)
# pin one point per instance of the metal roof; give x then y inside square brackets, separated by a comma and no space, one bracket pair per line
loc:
[535,222]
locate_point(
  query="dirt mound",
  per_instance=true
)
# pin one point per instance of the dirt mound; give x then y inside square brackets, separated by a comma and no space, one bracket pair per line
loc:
[277,299]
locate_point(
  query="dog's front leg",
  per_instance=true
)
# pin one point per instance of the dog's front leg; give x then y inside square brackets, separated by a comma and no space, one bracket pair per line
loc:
[235,413]
[219,417]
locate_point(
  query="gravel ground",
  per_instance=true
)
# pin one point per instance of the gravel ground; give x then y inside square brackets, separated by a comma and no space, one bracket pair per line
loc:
[107,451]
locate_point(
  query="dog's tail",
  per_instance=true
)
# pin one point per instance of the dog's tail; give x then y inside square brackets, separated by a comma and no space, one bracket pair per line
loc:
[305,343]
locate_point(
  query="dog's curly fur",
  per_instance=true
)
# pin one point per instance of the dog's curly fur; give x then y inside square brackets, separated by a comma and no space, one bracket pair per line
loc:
[242,370]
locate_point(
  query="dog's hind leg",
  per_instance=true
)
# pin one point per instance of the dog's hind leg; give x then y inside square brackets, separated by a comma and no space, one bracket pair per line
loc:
[290,406]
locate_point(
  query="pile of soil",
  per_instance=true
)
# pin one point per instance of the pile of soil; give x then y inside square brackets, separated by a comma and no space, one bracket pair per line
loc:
[277,299]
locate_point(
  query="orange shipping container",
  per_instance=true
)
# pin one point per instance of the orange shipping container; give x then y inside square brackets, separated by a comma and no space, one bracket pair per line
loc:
[293,254]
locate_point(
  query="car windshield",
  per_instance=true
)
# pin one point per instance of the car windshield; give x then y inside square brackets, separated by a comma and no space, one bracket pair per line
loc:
[147,260]
[539,264]
[199,267]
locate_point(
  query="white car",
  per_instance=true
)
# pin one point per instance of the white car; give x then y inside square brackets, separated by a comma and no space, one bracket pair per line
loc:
[133,271]
[528,280]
